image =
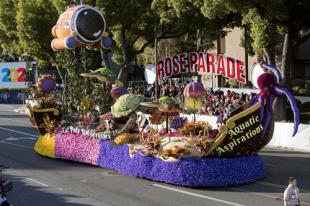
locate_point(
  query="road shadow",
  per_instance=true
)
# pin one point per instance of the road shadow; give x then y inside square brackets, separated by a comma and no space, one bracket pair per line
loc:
[283,152]
[13,116]
[25,194]
[24,129]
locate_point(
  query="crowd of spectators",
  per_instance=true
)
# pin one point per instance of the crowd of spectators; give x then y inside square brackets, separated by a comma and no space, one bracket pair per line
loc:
[215,102]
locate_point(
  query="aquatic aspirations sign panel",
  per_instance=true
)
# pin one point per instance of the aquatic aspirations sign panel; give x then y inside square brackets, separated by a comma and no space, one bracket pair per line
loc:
[203,63]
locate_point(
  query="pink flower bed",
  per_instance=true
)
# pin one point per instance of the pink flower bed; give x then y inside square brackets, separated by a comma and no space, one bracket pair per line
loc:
[77,147]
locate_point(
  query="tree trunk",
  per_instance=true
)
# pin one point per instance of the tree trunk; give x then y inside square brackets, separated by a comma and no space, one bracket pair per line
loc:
[105,58]
[280,103]
[287,59]
[122,75]
[270,56]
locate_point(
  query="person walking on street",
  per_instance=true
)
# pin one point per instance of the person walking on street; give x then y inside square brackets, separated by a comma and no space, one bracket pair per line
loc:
[291,194]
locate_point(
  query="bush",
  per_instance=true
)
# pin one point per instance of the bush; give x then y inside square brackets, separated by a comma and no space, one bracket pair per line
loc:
[305,107]
[300,87]
[233,83]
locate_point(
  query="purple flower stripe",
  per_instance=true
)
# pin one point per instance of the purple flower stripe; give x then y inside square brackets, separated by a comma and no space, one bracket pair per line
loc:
[190,172]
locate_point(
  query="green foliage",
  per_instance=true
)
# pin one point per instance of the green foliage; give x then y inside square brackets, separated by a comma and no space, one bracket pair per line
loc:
[167,100]
[233,83]
[263,31]
[77,87]
[60,5]
[301,87]
[34,23]
[8,30]
[193,105]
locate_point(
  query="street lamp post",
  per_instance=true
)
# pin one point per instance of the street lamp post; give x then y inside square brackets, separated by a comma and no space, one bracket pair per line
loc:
[155,59]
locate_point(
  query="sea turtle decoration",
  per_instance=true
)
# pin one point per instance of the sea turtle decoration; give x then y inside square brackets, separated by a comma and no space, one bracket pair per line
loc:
[126,104]
[131,107]
[104,75]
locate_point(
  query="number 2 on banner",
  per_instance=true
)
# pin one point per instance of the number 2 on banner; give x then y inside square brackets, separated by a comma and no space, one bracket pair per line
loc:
[5,77]
[21,74]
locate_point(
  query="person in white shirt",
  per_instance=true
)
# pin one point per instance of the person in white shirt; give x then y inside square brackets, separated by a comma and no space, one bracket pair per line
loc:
[291,194]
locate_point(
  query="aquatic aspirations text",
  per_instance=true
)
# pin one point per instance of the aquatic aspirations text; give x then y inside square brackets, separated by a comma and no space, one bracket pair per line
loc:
[203,63]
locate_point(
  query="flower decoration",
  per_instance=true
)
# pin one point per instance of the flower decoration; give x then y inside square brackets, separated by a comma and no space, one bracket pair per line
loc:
[86,120]
[77,147]
[195,128]
[46,83]
[193,93]
[194,89]
[45,145]
[167,100]
[87,104]
[124,138]
[191,172]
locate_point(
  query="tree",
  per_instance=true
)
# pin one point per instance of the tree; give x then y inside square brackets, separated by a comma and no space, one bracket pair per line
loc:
[268,20]
[8,31]
[34,21]
[132,26]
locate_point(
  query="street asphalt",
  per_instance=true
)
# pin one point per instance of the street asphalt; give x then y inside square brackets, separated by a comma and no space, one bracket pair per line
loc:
[40,181]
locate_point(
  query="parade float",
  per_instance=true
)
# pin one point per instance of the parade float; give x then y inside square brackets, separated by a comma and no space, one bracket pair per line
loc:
[149,139]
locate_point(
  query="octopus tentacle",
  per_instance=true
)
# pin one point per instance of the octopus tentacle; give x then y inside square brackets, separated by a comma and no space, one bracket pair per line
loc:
[261,111]
[275,71]
[254,100]
[290,97]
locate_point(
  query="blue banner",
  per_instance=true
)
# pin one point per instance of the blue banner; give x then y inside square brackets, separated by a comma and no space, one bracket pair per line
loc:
[11,97]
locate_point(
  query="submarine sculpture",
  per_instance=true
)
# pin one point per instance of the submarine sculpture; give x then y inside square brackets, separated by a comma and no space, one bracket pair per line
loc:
[80,26]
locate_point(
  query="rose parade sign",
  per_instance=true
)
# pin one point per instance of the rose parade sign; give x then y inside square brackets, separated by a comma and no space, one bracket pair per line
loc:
[203,63]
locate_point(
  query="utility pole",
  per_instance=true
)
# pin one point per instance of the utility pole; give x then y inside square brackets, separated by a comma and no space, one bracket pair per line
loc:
[246,56]
[155,59]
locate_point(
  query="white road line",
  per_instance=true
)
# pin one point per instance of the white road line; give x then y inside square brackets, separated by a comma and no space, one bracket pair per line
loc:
[257,193]
[278,186]
[38,182]
[23,133]
[265,195]
[17,145]
[24,122]
[198,195]
[19,138]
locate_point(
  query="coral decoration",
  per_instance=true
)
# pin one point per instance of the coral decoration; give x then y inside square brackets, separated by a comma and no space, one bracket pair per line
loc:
[118,91]
[195,128]
[107,116]
[46,84]
[194,89]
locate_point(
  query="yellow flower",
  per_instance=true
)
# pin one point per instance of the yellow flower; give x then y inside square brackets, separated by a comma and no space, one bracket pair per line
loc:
[45,145]
[124,138]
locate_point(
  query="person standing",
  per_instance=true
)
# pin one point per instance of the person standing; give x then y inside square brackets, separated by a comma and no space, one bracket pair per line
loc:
[291,194]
